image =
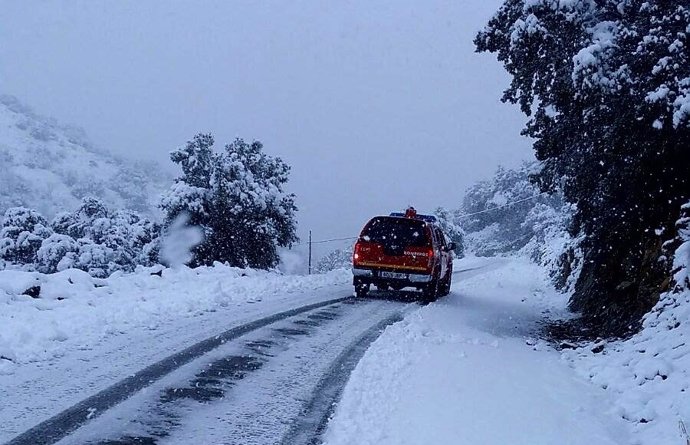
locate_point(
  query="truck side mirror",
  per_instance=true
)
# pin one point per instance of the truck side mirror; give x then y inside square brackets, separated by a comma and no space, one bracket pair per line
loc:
[451,246]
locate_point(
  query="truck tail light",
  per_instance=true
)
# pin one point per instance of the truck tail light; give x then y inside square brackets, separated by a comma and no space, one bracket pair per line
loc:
[430,256]
[357,253]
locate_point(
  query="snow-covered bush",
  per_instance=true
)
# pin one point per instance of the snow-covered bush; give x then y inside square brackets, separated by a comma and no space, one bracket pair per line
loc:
[681,259]
[673,308]
[236,197]
[96,259]
[93,238]
[135,235]
[23,231]
[80,224]
[53,256]
[109,240]
[551,245]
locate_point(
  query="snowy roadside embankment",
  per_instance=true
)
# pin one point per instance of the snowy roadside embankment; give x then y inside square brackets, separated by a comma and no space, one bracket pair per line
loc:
[84,334]
[469,370]
[75,311]
[649,374]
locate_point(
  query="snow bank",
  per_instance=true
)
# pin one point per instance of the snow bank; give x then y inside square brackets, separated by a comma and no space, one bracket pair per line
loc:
[649,374]
[75,310]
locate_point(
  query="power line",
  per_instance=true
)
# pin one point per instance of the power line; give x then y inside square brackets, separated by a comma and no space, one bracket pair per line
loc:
[327,241]
[463,215]
[501,206]
[335,239]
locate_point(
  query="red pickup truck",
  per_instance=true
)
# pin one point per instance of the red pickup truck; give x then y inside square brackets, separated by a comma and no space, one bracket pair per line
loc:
[403,250]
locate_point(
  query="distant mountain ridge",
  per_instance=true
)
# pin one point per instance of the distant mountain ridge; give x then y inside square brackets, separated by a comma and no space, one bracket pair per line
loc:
[50,167]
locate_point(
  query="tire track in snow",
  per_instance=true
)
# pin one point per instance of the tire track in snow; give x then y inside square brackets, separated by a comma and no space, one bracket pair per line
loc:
[67,421]
[308,428]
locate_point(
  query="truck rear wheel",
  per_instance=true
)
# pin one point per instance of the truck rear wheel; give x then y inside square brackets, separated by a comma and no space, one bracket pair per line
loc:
[361,289]
[445,287]
[430,292]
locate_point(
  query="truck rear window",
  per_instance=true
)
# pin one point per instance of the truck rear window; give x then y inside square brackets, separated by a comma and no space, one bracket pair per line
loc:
[400,231]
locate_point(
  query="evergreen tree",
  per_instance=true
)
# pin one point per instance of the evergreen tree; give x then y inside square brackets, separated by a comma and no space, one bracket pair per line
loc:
[494,212]
[236,197]
[452,230]
[607,87]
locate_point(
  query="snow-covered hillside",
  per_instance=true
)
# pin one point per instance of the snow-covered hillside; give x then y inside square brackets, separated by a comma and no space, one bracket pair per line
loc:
[50,167]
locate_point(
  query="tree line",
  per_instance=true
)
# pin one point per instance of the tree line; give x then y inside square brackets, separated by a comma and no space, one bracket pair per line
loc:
[235,196]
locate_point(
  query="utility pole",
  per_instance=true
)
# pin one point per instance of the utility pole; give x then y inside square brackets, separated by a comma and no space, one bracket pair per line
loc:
[310,252]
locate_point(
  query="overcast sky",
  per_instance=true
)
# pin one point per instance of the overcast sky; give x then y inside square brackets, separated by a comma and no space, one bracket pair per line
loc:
[375,104]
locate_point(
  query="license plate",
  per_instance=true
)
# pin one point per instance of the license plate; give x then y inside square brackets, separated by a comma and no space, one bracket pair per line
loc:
[400,276]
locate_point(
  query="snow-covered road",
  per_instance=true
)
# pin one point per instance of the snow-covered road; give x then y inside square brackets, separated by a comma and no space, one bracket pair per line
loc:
[468,370]
[247,391]
[71,349]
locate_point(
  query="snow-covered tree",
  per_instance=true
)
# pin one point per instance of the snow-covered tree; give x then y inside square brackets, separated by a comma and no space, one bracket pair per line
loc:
[191,193]
[494,211]
[508,214]
[606,85]
[23,231]
[337,259]
[452,230]
[236,196]
[80,223]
